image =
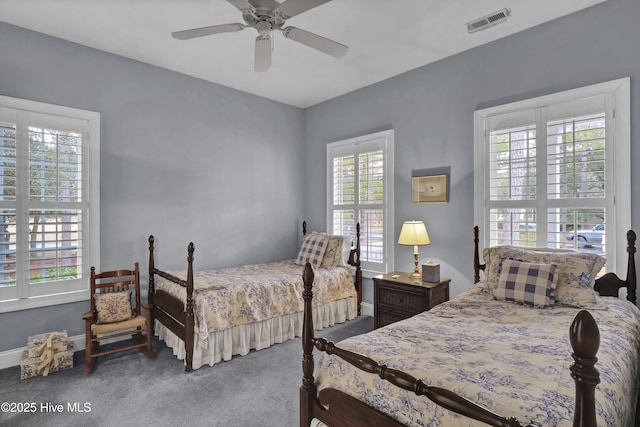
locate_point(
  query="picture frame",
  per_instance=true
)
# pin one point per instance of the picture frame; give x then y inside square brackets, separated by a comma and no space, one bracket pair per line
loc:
[430,188]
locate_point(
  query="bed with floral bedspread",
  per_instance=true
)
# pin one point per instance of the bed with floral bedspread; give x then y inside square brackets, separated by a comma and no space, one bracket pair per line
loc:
[543,340]
[206,316]
[235,299]
[509,358]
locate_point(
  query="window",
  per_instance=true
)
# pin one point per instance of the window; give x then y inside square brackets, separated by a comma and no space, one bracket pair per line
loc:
[49,203]
[359,189]
[554,171]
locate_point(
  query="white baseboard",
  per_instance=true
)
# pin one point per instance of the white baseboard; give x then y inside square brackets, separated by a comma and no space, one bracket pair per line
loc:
[366,309]
[12,357]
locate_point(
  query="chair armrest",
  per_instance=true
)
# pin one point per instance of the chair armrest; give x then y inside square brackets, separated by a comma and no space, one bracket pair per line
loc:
[88,316]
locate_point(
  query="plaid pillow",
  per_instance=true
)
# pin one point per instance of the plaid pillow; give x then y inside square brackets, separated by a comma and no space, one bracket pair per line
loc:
[312,250]
[527,283]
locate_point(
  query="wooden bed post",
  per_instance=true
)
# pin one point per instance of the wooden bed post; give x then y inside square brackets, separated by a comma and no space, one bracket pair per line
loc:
[189,324]
[631,266]
[308,388]
[358,278]
[585,341]
[151,292]
[354,260]
[476,254]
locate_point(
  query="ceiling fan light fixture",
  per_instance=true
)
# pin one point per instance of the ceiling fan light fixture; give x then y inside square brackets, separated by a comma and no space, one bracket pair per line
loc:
[264,27]
[489,20]
[262,58]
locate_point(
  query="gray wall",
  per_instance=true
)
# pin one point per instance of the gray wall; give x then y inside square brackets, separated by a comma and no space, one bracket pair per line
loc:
[181,158]
[431,110]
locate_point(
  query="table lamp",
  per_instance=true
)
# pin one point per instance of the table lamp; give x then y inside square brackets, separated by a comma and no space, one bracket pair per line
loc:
[414,233]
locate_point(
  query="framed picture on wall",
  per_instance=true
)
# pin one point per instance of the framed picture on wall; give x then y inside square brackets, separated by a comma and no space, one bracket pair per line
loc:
[430,189]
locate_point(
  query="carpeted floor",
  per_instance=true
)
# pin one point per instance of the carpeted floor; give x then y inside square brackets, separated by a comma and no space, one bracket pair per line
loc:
[128,389]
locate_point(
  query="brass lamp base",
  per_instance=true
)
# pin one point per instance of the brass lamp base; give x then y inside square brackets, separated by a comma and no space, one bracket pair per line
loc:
[416,273]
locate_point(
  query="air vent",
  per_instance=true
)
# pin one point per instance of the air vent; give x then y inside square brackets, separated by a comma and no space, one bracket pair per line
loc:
[488,21]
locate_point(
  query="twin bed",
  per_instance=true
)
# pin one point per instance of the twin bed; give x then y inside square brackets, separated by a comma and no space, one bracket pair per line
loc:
[211,315]
[498,353]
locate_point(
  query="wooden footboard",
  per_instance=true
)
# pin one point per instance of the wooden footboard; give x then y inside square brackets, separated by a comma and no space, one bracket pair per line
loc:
[336,408]
[172,312]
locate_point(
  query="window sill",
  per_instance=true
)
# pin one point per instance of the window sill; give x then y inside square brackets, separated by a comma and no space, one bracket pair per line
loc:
[43,301]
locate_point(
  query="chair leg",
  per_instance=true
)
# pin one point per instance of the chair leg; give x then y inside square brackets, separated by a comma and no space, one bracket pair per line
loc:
[88,350]
[149,350]
[137,337]
[88,346]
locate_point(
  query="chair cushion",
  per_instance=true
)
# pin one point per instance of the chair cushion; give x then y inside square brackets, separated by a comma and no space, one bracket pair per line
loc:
[110,327]
[113,307]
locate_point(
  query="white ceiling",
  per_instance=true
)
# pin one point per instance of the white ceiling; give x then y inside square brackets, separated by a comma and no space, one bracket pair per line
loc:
[385,38]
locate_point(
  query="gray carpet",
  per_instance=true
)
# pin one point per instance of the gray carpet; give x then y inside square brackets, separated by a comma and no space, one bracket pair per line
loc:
[128,389]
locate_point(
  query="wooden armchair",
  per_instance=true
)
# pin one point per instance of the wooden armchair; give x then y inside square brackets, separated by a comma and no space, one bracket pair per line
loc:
[112,314]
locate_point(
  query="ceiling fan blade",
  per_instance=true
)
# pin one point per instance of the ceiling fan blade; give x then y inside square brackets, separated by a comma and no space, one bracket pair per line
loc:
[206,31]
[242,5]
[291,8]
[315,41]
[263,53]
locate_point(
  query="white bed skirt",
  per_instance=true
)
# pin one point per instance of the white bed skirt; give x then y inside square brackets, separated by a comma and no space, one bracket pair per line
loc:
[241,339]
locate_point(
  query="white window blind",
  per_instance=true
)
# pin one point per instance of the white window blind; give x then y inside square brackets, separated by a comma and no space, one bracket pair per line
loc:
[359,175]
[49,174]
[546,168]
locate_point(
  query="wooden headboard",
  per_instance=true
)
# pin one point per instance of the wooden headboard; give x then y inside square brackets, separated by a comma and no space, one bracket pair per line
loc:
[607,286]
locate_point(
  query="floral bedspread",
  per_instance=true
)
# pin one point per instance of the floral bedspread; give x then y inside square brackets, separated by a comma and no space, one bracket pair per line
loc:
[508,358]
[235,296]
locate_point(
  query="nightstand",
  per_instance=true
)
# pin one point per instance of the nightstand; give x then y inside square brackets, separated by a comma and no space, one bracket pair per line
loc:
[398,298]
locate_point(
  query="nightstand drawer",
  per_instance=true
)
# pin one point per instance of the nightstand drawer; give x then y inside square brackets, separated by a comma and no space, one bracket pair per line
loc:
[387,317]
[409,301]
[439,295]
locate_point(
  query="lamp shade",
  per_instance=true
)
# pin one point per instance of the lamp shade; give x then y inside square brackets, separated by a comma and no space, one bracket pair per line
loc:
[413,233]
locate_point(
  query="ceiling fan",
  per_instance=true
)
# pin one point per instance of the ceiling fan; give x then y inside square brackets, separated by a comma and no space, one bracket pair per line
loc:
[266,16]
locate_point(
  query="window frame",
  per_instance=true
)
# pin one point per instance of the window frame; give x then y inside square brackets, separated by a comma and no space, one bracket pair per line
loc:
[27,297]
[362,144]
[616,95]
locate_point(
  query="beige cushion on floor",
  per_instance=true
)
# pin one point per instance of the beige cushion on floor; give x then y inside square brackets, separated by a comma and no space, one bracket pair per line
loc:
[102,328]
